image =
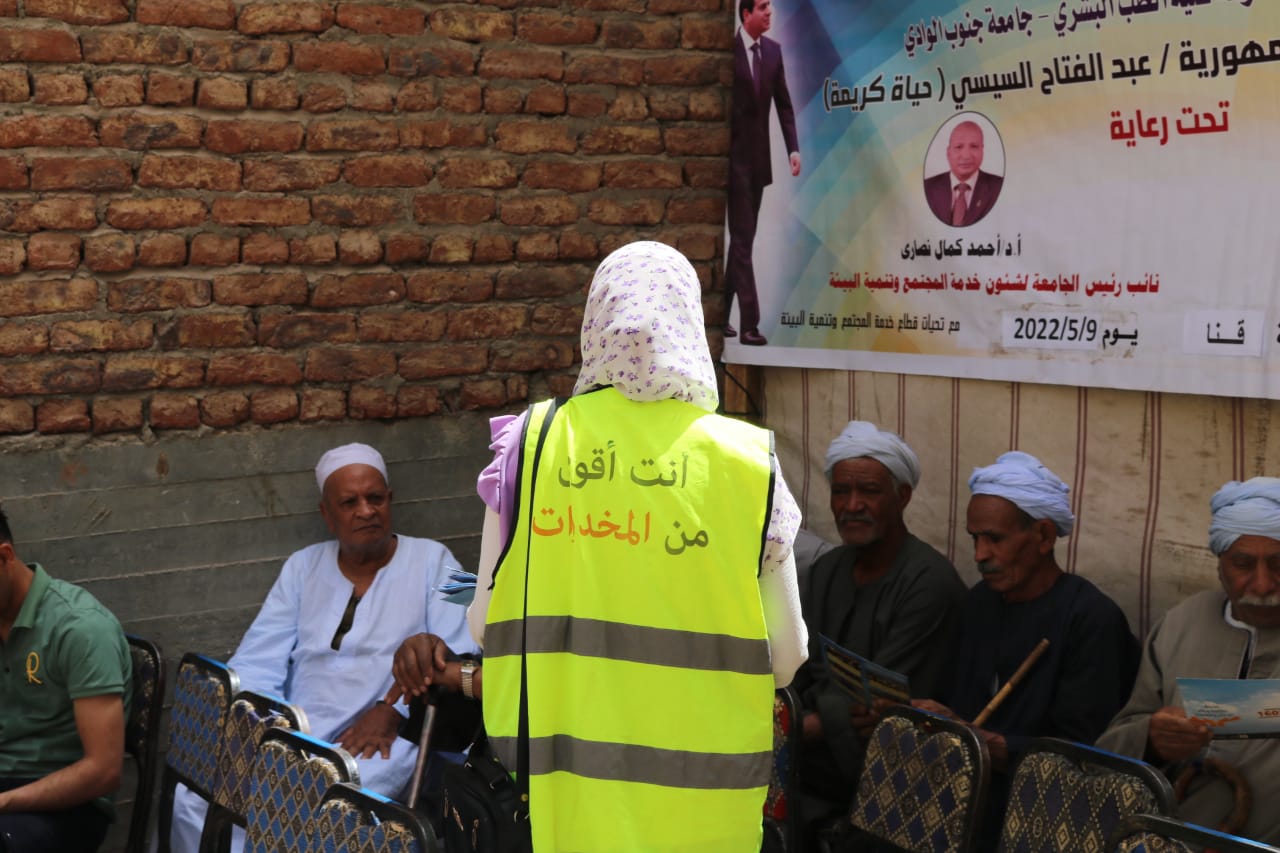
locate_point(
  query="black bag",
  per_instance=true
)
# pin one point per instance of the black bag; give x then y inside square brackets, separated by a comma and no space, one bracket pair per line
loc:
[483,809]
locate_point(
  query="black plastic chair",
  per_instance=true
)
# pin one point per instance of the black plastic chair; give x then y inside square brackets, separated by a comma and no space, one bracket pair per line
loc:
[1155,834]
[142,733]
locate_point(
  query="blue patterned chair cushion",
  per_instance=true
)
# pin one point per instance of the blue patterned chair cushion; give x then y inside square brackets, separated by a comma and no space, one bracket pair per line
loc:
[244,728]
[195,726]
[140,724]
[775,803]
[1147,842]
[343,826]
[916,789]
[286,789]
[1056,807]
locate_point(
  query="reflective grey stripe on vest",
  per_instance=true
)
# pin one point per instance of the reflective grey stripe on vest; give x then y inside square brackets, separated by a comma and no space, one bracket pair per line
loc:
[616,641]
[670,768]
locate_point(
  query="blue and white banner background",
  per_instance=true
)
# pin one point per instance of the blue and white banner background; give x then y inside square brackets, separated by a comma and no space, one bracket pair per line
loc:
[1134,242]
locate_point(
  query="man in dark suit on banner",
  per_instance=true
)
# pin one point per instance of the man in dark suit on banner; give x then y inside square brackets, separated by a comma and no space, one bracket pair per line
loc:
[758,84]
[964,193]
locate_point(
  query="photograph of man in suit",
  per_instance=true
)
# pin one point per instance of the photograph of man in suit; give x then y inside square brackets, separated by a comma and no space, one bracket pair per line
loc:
[963,194]
[758,84]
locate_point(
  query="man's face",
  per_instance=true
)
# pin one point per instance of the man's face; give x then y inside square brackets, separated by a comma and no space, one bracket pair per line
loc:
[865,501]
[1250,575]
[357,508]
[757,21]
[964,151]
[1006,548]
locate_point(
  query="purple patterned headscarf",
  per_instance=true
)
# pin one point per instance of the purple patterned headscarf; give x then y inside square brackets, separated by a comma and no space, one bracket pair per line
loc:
[643,330]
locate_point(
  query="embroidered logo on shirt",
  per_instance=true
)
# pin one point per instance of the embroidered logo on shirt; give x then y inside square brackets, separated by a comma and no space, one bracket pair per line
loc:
[33,666]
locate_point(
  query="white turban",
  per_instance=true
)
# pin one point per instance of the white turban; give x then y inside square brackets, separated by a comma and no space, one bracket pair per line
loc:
[1022,479]
[1251,508]
[349,454]
[863,438]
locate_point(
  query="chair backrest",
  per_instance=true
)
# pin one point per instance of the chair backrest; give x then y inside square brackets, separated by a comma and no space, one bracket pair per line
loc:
[1066,796]
[142,733]
[291,773]
[780,805]
[356,820]
[1156,834]
[923,783]
[201,696]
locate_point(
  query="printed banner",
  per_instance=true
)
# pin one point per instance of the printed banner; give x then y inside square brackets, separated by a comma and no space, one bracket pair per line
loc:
[1069,192]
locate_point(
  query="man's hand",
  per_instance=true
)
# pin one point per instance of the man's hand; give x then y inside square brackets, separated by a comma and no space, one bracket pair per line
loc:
[373,732]
[810,727]
[863,719]
[1173,737]
[795,164]
[419,663]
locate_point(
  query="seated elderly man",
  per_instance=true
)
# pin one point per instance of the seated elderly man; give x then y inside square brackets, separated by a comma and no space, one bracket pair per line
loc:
[1017,511]
[883,594]
[327,633]
[1232,632]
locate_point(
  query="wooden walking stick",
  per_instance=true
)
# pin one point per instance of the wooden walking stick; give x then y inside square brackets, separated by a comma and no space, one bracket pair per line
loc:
[1017,676]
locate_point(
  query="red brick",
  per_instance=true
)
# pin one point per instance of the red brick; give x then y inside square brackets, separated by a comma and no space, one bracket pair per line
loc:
[676,70]
[18,298]
[503,99]
[432,61]
[492,249]
[260,289]
[208,330]
[209,14]
[273,406]
[642,174]
[170,90]
[530,355]
[452,360]
[289,175]
[689,211]
[253,137]
[542,246]
[714,32]
[52,250]
[546,99]
[283,331]
[241,55]
[220,93]
[490,322]
[667,106]
[116,414]
[38,45]
[338,58]
[530,137]
[707,174]
[568,176]
[350,211]
[322,404]
[620,34]
[54,416]
[94,174]
[132,214]
[23,338]
[384,20]
[140,131]
[331,364]
[50,214]
[136,372]
[554,28]
[674,7]
[417,401]
[453,209]
[539,281]
[373,96]
[623,139]
[13,173]
[340,291]
[707,105]
[256,369]
[16,416]
[461,96]
[214,250]
[482,394]
[224,409]
[47,131]
[157,294]
[14,85]
[111,252]
[262,210]
[419,96]
[316,250]
[324,98]
[79,11]
[472,25]
[162,250]
[115,47]
[406,248]
[359,248]
[440,286]
[700,247]
[100,335]
[550,319]
[174,411]
[452,249]
[118,90]
[194,172]
[276,17]
[539,210]
[51,376]
[361,135]
[389,170]
[604,68]
[467,172]
[561,385]
[273,94]
[587,103]
[424,134]
[262,248]
[521,63]
[697,141]
[61,89]
[369,401]
[388,327]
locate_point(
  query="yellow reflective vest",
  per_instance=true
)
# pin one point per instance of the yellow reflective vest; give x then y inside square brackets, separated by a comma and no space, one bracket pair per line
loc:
[650,691]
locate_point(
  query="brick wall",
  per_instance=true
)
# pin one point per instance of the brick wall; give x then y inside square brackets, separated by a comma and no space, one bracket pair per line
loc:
[218,213]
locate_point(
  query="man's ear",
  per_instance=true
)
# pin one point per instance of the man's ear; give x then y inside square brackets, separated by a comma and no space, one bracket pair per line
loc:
[6,553]
[1048,532]
[904,494]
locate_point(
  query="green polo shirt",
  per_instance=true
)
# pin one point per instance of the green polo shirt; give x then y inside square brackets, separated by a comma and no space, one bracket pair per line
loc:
[63,646]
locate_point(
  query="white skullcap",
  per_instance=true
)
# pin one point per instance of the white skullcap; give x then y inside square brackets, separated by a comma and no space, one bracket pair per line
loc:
[1022,479]
[1251,508]
[863,438]
[349,454]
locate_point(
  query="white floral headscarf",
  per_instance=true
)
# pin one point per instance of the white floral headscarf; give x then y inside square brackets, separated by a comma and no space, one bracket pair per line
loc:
[643,330]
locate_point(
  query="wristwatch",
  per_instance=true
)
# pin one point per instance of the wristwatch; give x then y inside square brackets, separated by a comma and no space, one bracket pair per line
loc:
[468,673]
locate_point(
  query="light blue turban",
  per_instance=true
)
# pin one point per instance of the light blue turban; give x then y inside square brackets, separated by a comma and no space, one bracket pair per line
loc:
[1022,479]
[1251,508]
[863,438]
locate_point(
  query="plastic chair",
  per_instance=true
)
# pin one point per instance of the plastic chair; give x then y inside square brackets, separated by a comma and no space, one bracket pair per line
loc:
[291,774]
[781,806]
[1154,834]
[356,820]
[142,733]
[1068,797]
